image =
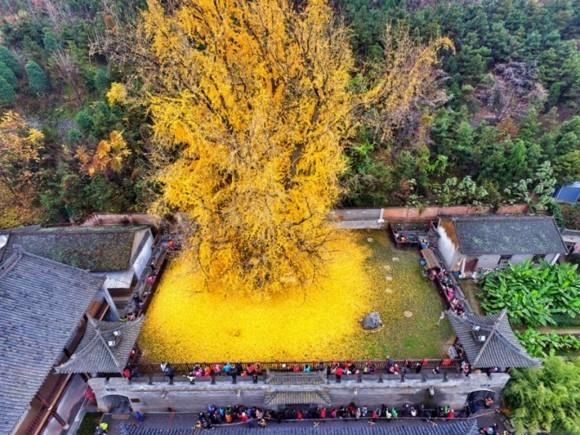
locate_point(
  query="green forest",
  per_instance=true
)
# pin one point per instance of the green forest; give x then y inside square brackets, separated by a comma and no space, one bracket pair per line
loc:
[498,123]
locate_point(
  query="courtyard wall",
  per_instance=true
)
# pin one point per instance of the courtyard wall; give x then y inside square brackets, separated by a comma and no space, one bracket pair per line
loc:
[184,397]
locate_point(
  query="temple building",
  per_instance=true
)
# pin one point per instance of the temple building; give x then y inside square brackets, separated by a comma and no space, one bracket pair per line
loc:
[472,244]
[118,252]
[43,308]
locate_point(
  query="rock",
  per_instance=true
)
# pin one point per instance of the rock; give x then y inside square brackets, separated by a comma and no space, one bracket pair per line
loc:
[389,278]
[395,258]
[369,239]
[372,321]
[408,314]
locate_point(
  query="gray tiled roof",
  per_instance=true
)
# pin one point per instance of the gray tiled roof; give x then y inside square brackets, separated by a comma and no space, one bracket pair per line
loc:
[501,347]
[93,355]
[97,249]
[466,427]
[507,235]
[41,305]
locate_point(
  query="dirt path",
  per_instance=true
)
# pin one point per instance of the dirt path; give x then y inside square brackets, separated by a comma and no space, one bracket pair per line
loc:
[559,331]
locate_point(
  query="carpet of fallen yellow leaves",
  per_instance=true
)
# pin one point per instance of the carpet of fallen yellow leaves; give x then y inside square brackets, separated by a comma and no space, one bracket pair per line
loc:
[187,324]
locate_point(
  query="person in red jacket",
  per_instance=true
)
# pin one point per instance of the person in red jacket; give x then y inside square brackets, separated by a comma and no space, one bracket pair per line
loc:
[338,373]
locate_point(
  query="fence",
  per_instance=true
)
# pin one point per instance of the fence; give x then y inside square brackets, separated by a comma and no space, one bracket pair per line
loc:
[379,367]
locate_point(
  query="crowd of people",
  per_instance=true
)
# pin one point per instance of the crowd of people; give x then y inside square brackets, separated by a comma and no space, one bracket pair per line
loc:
[258,417]
[135,306]
[334,370]
[448,288]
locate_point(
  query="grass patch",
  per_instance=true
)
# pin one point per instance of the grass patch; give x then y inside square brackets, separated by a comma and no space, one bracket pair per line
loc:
[473,293]
[321,322]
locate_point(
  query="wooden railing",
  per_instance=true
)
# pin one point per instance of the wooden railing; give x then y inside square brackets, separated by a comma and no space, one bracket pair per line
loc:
[45,410]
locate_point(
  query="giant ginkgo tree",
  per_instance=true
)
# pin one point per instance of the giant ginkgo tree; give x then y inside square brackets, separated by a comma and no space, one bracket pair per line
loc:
[250,103]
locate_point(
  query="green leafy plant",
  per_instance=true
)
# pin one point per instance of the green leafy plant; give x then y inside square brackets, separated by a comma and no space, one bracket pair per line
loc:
[543,345]
[533,295]
[545,398]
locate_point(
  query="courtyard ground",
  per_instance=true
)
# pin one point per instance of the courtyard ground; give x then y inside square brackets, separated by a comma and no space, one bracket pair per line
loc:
[363,272]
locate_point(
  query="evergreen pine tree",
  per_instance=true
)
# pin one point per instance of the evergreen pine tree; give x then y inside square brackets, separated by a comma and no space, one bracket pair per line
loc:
[7,93]
[37,80]
[7,74]
[8,57]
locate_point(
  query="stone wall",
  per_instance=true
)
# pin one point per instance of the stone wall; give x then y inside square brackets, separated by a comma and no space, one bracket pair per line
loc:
[405,214]
[488,261]
[183,397]
[410,213]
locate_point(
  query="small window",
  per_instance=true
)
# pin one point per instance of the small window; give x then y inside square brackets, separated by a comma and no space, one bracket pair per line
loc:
[135,400]
[537,259]
[504,260]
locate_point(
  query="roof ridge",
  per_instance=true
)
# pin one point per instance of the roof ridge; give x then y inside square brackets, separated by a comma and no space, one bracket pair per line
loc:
[491,334]
[495,332]
[519,350]
[110,352]
[501,216]
[8,264]
[78,229]
[58,263]
[80,352]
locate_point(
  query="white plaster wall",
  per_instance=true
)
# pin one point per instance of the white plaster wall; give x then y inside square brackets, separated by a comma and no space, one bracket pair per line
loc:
[517,259]
[447,249]
[144,256]
[487,261]
[121,279]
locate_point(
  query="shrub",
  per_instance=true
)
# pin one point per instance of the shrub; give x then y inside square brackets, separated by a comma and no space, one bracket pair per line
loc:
[7,57]
[37,79]
[101,80]
[542,345]
[117,94]
[7,74]
[546,398]
[533,295]
[49,41]
[84,120]
[7,93]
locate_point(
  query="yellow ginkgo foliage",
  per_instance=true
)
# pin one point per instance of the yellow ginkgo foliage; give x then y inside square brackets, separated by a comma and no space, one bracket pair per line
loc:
[250,108]
[251,96]
[109,155]
[117,94]
[20,147]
